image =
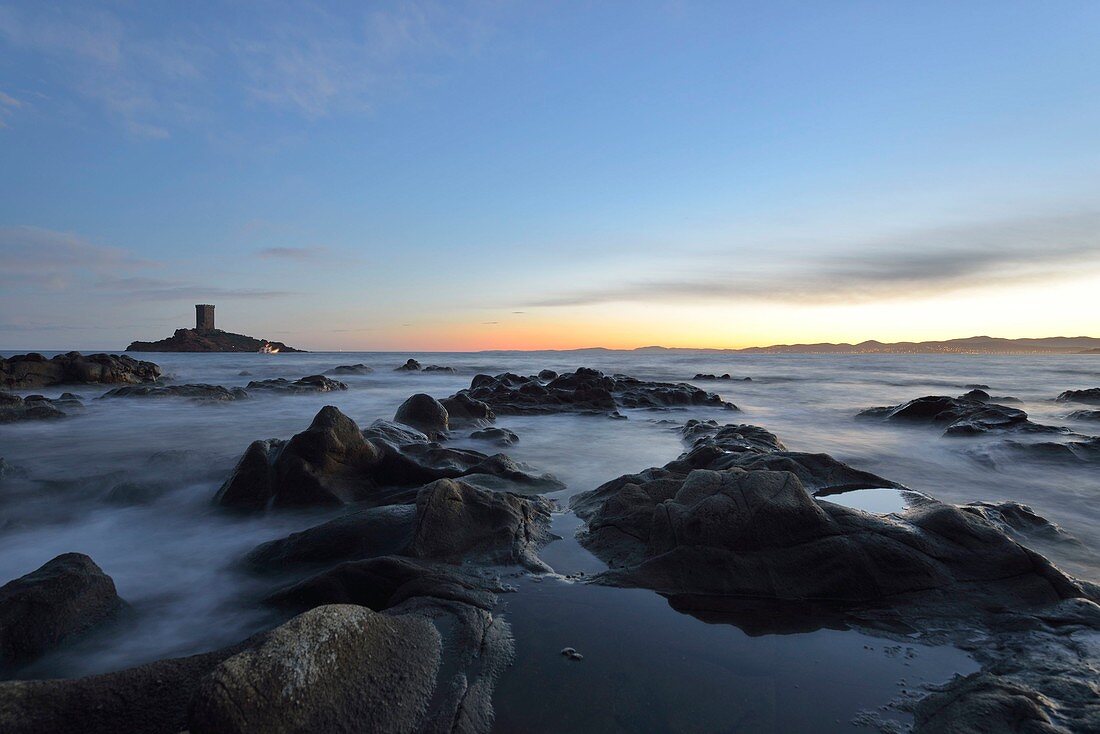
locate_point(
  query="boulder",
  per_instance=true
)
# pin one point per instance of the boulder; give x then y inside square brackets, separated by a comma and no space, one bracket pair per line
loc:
[1084,415]
[498,436]
[335,668]
[64,599]
[410,366]
[1091,395]
[424,413]
[585,390]
[36,407]
[547,375]
[984,703]
[350,369]
[462,410]
[961,416]
[333,462]
[31,370]
[312,383]
[197,392]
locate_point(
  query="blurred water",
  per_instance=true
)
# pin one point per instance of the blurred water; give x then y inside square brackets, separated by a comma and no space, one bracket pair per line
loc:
[173,556]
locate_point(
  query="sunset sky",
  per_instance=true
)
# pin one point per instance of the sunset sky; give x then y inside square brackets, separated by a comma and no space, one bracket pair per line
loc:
[462,176]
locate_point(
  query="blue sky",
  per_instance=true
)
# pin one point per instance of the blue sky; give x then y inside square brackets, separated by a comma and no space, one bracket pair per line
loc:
[494,174]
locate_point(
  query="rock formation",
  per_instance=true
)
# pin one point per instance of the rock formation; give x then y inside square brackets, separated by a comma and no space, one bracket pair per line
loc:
[33,370]
[214,340]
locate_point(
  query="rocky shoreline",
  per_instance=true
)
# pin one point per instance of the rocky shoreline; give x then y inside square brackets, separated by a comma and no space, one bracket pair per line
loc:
[390,612]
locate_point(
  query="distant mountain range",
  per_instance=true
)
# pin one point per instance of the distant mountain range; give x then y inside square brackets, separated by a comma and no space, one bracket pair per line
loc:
[969,345]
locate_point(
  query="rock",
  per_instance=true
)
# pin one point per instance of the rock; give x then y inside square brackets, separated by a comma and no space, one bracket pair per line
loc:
[64,599]
[1020,521]
[33,370]
[336,668]
[585,390]
[244,373]
[151,698]
[498,436]
[198,392]
[984,703]
[424,413]
[1085,451]
[1084,415]
[961,416]
[1091,395]
[458,523]
[384,581]
[312,383]
[369,533]
[547,375]
[333,462]
[437,368]
[462,410]
[350,369]
[36,407]
[726,376]
[410,366]
[982,396]
[129,494]
[413,366]
[209,340]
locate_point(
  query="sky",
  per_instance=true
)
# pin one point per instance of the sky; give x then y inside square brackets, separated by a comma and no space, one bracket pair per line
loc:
[523,175]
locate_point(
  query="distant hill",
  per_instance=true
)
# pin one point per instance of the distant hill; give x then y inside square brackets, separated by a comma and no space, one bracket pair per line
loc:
[969,345]
[215,340]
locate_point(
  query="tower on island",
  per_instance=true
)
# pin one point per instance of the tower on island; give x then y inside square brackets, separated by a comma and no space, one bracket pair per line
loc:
[204,317]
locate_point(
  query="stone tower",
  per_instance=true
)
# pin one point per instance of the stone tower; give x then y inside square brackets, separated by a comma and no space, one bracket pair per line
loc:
[204,317]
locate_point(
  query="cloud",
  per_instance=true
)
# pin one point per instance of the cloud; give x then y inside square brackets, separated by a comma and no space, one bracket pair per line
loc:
[54,260]
[159,289]
[920,263]
[292,253]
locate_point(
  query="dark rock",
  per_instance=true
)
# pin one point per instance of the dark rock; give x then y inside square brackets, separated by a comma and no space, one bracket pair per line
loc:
[350,369]
[547,375]
[961,416]
[377,531]
[244,373]
[33,370]
[585,390]
[982,396]
[984,703]
[462,410]
[1091,395]
[36,407]
[209,340]
[1019,520]
[312,383]
[129,494]
[1086,450]
[499,436]
[336,668]
[424,413]
[333,462]
[413,366]
[437,368]
[199,392]
[62,600]
[410,366]
[458,523]
[1084,415]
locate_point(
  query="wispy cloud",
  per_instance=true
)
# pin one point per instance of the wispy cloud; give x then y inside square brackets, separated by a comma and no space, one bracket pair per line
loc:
[976,256]
[292,253]
[163,289]
[54,260]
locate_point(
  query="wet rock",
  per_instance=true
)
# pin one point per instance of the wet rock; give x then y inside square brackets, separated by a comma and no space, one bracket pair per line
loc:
[410,366]
[312,383]
[547,375]
[438,368]
[498,436]
[585,390]
[983,702]
[1019,520]
[462,410]
[36,407]
[198,392]
[33,370]
[1084,415]
[377,531]
[707,376]
[1085,451]
[424,413]
[1091,395]
[982,396]
[458,523]
[350,369]
[244,373]
[413,366]
[333,462]
[129,494]
[961,416]
[336,668]
[64,599]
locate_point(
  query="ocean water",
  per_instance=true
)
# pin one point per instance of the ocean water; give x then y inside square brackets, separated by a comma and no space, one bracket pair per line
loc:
[130,482]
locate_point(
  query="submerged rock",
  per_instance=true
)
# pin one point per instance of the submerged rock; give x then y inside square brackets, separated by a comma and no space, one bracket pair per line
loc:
[33,370]
[350,369]
[962,416]
[336,668]
[64,599]
[333,462]
[1091,395]
[424,413]
[413,366]
[462,410]
[312,383]
[706,376]
[200,392]
[585,390]
[36,407]
[1084,415]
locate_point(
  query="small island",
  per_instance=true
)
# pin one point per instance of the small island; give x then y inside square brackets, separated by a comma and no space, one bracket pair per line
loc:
[205,338]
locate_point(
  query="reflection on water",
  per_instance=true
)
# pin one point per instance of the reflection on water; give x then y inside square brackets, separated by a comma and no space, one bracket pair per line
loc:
[129,482]
[879,500]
